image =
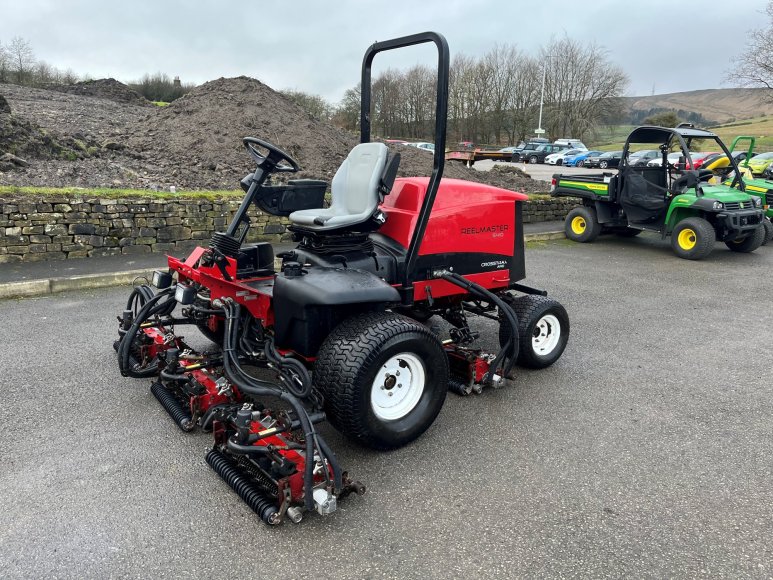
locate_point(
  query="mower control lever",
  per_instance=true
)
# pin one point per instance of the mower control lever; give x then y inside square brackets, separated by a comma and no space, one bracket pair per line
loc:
[273,161]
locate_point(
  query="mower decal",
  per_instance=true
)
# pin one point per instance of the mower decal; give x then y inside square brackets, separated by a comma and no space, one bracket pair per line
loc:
[599,187]
[495,229]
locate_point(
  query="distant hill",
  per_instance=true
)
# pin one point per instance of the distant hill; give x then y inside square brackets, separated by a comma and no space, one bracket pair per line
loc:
[718,105]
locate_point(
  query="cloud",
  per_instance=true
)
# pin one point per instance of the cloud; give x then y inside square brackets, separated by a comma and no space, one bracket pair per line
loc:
[317,46]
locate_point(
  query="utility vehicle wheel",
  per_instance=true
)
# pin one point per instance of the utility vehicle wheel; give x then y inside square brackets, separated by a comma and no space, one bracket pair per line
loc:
[627,233]
[384,378]
[543,326]
[603,164]
[768,231]
[693,238]
[750,242]
[582,225]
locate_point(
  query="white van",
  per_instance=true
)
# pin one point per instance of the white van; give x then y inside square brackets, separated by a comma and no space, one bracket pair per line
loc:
[573,143]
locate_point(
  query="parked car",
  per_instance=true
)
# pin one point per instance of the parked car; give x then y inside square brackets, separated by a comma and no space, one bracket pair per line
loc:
[558,157]
[574,143]
[759,163]
[538,155]
[528,146]
[672,159]
[423,145]
[604,160]
[640,158]
[578,159]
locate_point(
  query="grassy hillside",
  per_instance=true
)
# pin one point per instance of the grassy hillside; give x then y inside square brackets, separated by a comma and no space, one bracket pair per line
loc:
[720,105]
[761,128]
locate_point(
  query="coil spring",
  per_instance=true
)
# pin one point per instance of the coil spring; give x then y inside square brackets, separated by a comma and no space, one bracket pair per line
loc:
[175,409]
[251,494]
[225,244]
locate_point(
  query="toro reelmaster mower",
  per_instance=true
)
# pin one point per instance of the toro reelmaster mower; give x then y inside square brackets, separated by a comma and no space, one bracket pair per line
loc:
[335,333]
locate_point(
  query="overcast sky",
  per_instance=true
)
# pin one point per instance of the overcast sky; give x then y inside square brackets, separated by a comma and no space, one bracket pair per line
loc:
[317,46]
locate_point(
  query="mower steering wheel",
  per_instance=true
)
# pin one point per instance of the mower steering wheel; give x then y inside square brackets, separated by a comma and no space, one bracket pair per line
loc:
[273,161]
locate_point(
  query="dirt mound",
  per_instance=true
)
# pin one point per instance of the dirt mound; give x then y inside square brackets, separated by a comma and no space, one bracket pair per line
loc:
[194,143]
[109,89]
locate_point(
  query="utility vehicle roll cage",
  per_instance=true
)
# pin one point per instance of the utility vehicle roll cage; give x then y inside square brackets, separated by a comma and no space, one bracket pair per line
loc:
[683,134]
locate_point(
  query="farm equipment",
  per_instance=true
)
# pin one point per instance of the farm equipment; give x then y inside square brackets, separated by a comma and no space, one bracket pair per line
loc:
[335,331]
[671,201]
[760,186]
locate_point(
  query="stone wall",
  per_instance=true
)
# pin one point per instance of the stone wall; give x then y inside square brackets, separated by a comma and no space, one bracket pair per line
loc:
[549,210]
[34,228]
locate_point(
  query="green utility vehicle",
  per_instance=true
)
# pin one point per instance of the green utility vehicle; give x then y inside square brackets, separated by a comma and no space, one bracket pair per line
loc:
[754,186]
[671,200]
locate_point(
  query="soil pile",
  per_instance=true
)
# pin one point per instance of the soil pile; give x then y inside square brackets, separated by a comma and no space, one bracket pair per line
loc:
[110,139]
[109,89]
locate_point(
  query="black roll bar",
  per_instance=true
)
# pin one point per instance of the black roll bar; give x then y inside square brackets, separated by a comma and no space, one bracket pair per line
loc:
[441,119]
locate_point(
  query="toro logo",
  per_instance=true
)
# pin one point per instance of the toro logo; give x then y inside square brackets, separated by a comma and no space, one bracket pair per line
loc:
[496,231]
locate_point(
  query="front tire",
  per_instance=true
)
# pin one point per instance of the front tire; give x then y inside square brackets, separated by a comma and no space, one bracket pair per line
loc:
[582,225]
[693,238]
[603,164]
[768,231]
[543,328]
[750,242]
[384,378]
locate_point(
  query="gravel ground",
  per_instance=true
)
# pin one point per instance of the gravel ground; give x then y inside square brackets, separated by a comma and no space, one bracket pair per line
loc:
[644,452]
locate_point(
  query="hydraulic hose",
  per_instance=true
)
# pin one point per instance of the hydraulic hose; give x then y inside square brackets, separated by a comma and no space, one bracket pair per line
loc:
[150,308]
[253,386]
[510,349]
[257,387]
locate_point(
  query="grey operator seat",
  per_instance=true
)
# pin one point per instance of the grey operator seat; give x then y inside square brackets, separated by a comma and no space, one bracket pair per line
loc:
[355,191]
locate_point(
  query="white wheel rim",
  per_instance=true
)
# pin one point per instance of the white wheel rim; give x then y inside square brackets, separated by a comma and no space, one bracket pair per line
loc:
[398,386]
[546,335]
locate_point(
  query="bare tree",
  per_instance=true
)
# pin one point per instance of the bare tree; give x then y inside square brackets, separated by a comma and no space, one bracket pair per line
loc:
[5,62]
[314,105]
[22,58]
[754,68]
[347,114]
[523,106]
[580,83]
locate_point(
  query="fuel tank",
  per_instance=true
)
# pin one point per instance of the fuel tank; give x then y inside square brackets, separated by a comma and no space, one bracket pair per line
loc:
[473,228]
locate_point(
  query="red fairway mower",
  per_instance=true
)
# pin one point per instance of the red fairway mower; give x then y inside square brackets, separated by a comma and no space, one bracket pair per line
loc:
[336,332]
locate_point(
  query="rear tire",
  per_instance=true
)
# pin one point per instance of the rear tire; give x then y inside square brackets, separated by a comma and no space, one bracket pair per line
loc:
[582,225]
[693,238]
[358,370]
[768,231]
[543,328]
[749,243]
[533,159]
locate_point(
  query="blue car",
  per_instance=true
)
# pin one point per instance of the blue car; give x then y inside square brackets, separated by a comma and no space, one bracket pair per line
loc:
[579,159]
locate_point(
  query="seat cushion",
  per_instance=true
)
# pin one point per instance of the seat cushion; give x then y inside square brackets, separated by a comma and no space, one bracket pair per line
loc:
[355,191]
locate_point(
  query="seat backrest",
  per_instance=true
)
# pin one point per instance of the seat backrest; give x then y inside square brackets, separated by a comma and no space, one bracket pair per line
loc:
[355,187]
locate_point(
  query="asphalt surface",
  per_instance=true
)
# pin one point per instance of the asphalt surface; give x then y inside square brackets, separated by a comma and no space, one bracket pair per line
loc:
[645,451]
